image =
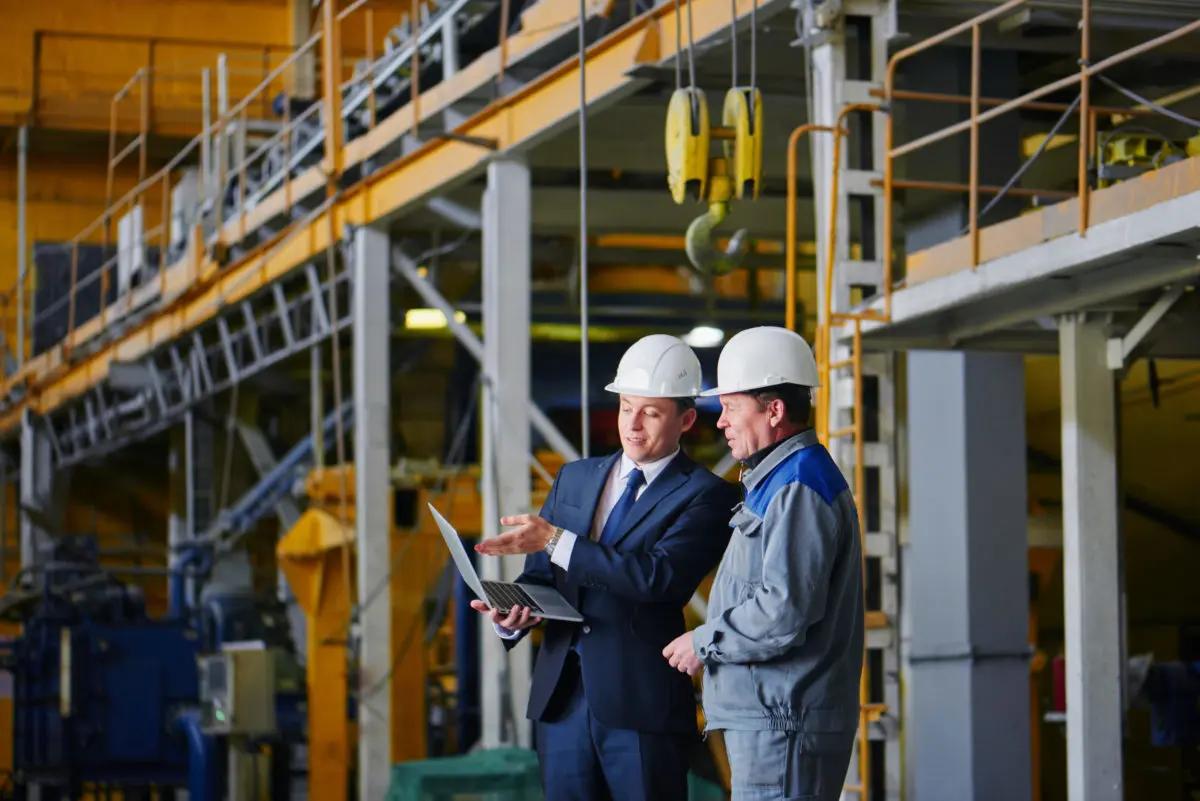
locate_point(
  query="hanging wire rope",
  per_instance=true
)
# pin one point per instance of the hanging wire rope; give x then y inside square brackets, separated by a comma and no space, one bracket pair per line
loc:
[1150,104]
[733,62]
[678,46]
[584,411]
[753,54]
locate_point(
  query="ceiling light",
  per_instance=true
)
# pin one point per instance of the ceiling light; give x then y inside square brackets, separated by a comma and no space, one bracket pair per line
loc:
[704,336]
[427,319]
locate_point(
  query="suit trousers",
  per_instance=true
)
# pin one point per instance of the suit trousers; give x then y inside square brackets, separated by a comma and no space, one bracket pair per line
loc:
[582,759]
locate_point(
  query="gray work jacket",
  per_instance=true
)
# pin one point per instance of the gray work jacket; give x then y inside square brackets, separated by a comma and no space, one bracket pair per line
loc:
[783,642]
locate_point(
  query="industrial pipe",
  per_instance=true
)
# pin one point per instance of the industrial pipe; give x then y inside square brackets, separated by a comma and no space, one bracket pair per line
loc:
[202,762]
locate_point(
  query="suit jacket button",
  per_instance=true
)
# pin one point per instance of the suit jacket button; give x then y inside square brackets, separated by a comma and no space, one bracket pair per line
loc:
[587,629]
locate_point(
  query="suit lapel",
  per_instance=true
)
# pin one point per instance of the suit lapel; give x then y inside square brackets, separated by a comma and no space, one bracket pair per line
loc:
[673,476]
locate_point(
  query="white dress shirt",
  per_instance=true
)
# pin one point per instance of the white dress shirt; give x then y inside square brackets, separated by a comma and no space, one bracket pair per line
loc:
[614,487]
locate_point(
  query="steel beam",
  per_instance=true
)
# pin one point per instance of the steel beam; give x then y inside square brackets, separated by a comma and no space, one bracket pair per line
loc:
[1092,577]
[372,505]
[474,346]
[507,227]
[1120,349]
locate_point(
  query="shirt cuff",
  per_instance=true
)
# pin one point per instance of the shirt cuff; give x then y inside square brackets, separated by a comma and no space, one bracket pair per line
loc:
[563,549]
[506,633]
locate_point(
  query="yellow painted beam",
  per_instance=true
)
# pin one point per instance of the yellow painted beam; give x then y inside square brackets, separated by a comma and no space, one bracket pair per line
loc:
[518,120]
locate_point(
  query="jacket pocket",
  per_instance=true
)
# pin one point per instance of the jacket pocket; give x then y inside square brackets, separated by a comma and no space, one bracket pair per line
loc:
[744,557]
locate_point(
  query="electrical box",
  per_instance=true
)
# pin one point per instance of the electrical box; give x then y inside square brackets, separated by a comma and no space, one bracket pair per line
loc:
[131,249]
[185,210]
[237,689]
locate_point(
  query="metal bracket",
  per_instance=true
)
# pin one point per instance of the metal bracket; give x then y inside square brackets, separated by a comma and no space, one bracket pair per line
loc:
[1121,348]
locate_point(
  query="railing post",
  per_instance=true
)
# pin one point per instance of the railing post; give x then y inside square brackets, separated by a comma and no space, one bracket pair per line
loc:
[415,69]
[370,32]
[143,125]
[331,57]
[148,87]
[71,295]
[221,141]
[973,197]
[206,176]
[22,255]
[1085,116]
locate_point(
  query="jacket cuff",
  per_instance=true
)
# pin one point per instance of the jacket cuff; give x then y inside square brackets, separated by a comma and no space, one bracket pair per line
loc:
[704,637]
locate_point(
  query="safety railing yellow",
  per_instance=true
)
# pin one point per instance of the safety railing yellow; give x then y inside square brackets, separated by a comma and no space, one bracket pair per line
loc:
[222,152]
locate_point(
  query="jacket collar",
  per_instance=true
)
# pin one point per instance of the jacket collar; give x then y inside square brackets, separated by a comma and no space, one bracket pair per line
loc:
[794,443]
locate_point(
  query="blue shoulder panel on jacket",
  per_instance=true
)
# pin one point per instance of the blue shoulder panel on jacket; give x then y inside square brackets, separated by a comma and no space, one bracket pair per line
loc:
[812,466]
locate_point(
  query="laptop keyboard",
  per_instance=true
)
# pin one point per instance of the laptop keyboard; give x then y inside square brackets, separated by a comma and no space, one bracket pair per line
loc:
[505,596]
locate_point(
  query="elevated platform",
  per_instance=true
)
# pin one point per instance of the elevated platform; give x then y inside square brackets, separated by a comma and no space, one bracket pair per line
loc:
[1143,237]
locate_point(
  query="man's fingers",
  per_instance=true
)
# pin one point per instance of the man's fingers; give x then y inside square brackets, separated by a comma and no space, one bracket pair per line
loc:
[514,520]
[480,606]
[514,618]
[501,544]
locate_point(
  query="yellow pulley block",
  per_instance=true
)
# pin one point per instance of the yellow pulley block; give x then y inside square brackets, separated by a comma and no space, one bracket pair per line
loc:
[743,116]
[687,138]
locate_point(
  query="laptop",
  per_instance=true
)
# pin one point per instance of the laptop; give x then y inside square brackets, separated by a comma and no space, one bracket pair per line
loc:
[544,602]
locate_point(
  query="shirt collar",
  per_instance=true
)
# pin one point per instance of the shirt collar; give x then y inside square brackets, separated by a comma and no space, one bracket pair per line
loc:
[650,470]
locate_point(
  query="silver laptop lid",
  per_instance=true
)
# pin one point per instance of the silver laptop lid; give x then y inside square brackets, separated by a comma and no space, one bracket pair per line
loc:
[461,560]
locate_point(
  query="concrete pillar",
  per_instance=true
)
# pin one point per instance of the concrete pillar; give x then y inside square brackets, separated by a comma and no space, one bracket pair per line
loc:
[507,218]
[372,494]
[968,734]
[1091,563]
[37,490]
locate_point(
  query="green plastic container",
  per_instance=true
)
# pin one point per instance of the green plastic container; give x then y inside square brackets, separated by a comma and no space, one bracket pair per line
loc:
[502,774]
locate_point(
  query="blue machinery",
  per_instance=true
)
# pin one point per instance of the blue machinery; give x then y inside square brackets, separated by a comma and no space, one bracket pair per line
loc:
[106,698]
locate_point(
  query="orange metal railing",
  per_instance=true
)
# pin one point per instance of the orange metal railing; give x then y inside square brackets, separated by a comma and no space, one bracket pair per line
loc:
[220,150]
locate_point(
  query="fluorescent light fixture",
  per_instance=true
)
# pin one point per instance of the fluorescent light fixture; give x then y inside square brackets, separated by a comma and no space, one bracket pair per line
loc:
[428,319]
[704,336]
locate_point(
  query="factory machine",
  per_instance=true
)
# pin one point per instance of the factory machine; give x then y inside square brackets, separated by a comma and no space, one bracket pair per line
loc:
[106,699]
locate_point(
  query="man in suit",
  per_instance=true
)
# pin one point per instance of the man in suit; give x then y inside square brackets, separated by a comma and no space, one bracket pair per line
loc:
[626,538]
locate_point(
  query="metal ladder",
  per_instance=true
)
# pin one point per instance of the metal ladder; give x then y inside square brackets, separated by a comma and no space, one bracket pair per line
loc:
[856,406]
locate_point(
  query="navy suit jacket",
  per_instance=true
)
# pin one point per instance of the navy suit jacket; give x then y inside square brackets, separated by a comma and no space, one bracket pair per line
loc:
[631,592]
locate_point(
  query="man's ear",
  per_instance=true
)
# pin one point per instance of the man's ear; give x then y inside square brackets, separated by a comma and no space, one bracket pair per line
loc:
[777,412]
[689,420]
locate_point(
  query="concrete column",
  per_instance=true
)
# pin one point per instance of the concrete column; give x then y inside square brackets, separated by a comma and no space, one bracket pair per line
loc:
[506,267]
[372,509]
[968,734]
[1091,563]
[37,489]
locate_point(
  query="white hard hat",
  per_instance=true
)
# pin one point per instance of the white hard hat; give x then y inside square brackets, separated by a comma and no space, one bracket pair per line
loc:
[658,366]
[762,357]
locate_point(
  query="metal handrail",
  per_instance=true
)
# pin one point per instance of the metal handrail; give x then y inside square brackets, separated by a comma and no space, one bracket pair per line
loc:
[1031,99]
[219,128]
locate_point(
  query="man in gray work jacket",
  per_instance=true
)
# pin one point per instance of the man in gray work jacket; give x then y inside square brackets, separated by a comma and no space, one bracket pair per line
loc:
[783,643]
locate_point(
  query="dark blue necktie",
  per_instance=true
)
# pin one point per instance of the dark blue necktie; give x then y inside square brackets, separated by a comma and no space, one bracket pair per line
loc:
[624,504]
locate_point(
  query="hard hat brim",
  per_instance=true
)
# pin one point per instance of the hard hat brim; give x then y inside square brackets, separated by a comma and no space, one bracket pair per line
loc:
[715,391]
[617,389]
